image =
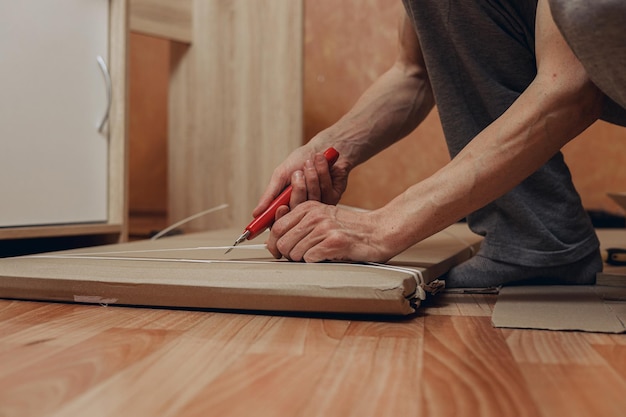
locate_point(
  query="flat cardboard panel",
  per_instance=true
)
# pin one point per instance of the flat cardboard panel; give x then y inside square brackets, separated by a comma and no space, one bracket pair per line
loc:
[586,307]
[592,308]
[238,285]
[193,271]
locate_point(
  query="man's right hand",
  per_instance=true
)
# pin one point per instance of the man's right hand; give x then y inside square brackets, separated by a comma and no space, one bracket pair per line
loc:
[308,172]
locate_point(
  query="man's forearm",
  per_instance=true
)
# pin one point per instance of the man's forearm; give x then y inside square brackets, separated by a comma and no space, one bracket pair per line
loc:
[389,110]
[518,143]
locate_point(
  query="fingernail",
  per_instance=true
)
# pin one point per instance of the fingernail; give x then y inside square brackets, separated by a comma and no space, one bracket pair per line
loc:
[308,164]
[298,175]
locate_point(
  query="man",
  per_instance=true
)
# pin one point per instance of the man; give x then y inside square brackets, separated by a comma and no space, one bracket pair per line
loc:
[510,93]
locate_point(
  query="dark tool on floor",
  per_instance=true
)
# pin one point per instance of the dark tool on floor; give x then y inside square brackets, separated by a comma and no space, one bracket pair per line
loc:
[614,256]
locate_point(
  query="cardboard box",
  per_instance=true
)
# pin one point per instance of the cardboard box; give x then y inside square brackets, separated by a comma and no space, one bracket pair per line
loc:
[193,271]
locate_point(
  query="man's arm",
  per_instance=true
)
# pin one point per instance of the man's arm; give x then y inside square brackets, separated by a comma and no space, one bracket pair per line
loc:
[559,104]
[390,109]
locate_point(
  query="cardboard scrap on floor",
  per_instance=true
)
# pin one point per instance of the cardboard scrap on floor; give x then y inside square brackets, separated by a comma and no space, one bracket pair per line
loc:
[589,308]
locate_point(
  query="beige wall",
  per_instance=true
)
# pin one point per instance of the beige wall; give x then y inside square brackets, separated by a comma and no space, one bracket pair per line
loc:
[349,43]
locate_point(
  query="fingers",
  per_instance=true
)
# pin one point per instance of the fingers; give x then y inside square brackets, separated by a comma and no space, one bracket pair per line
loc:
[271,242]
[284,234]
[325,181]
[306,234]
[313,182]
[310,182]
[303,249]
[298,189]
[315,232]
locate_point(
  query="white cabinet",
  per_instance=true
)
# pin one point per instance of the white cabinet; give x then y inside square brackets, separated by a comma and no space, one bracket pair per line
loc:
[57,167]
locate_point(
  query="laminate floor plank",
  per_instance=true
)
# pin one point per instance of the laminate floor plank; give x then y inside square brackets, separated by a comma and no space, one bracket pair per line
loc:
[14,358]
[549,347]
[158,318]
[576,390]
[75,323]
[17,316]
[265,385]
[297,336]
[324,335]
[370,376]
[615,357]
[277,373]
[469,370]
[66,360]
[49,383]
[405,328]
[162,384]
[12,310]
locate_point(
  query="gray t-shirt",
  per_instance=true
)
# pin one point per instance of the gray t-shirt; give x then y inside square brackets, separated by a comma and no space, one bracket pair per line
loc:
[480,56]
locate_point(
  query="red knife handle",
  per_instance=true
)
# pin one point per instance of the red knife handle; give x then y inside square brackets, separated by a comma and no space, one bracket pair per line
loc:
[265,220]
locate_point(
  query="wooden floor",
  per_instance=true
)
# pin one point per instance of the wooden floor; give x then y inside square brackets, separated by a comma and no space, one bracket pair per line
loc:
[82,360]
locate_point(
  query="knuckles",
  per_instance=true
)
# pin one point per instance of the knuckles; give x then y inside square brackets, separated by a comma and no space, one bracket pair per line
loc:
[283,248]
[335,240]
[315,218]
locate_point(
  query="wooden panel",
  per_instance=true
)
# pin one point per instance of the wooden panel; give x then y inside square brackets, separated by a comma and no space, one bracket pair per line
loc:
[169,19]
[147,188]
[118,118]
[62,230]
[235,107]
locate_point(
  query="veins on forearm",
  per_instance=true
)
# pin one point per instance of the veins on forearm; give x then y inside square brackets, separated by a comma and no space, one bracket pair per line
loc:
[384,114]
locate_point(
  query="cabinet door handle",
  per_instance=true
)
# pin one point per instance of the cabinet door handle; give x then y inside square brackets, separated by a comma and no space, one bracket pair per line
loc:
[107,80]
